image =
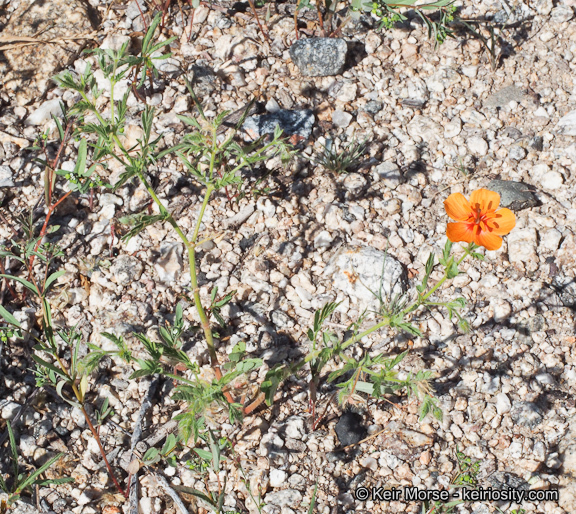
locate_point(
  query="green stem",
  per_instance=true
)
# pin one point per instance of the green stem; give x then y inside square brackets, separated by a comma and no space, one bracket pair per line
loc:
[112,83]
[420,301]
[194,282]
[442,280]
[95,111]
[357,337]
[191,249]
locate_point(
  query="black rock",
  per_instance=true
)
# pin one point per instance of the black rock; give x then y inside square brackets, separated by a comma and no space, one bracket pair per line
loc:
[291,122]
[527,414]
[319,56]
[514,195]
[350,429]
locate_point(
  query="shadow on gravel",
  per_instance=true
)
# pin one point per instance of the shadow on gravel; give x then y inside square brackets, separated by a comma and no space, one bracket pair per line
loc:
[546,391]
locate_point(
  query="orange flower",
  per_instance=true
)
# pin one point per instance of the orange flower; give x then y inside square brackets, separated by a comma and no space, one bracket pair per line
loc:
[478,220]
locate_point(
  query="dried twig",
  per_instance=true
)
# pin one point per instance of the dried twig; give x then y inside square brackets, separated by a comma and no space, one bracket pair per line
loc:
[163,483]
[11,41]
[136,435]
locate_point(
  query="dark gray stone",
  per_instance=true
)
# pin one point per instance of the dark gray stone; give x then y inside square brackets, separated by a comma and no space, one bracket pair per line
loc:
[291,122]
[204,80]
[514,195]
[527,414]
[373,107]
[503,481]
[350,429]
[319,56]
[537,143]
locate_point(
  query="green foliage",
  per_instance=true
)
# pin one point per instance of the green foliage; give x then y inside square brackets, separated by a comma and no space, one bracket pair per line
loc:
[469,469]
[11,328]
[320,316]
[209,459]
[103,412]
[218,161]
[19,482]
[217,303]
[80,178]
[219,164]
[153,455]
[145,61]
[391,12]
[341,160]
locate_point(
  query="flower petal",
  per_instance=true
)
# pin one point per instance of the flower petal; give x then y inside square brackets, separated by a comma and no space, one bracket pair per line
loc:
[460,232]
[488,240]
[501,222]
[457,207]
[485,200]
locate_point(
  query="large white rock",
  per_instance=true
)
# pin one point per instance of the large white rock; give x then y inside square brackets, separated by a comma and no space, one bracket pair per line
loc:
[567,124]
[44,112]
[362,273]
[522,245]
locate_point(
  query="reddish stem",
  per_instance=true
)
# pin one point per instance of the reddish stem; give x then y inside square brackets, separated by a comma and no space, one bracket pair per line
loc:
[3,270]
[103,453]
[45,227]
[320,19]
[255,404]
[264,32]
[142,16]
[55,162]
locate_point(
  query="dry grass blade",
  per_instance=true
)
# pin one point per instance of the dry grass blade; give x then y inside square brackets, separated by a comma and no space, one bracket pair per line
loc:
[10,41]
[234,118]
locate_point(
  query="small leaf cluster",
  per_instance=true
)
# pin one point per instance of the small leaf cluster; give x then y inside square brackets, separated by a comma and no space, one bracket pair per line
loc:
[153,455]
[218,163]
[210,459]
[390,12]
[469,469]
[218,303]
[82,179]
[12,327]
[23,251]
[166,351]
[343,159]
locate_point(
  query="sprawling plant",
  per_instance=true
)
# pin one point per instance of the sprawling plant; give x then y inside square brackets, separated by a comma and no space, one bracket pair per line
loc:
[216,160]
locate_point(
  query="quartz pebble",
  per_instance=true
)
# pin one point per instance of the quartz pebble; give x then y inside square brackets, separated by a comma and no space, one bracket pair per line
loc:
[389,173]
[341,119]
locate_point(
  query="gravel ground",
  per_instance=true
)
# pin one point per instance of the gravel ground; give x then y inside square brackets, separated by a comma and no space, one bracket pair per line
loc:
[438,121]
